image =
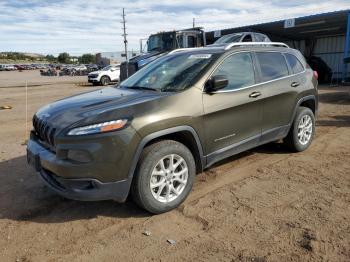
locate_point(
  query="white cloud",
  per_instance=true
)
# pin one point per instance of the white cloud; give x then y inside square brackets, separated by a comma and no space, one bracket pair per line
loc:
[79,26]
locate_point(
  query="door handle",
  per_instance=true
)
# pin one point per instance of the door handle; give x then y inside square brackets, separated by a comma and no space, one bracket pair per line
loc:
[255,94]
[295,84]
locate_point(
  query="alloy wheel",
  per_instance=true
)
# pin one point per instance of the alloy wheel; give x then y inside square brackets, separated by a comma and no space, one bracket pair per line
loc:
[305,129]
[169,178]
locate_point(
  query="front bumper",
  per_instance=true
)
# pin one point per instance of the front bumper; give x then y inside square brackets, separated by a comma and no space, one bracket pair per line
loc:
[93,80]
[87,189]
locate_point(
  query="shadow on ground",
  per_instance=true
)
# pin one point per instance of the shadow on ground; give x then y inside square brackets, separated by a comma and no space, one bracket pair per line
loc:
[24,197]
[339,98]
[337,121]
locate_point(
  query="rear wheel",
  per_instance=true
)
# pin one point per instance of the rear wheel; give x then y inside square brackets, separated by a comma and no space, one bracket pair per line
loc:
[302,131]
[164,176]
[105,80]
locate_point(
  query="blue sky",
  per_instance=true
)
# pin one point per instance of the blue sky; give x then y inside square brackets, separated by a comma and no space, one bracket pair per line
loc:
[90,26]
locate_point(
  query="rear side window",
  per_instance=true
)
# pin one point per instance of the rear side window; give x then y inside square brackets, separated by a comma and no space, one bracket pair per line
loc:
[272,65]
[238,69]
[294,64]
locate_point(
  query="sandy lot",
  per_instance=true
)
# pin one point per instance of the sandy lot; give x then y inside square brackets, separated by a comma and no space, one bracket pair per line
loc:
[263,205]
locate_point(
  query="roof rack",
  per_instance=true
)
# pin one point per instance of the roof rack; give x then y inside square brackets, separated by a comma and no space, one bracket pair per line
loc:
[229,46]
[184,49]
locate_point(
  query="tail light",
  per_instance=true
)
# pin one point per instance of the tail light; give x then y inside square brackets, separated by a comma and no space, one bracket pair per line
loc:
[316,75]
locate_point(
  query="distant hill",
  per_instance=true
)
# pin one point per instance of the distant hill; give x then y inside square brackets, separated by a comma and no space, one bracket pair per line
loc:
[33,55]
[11,54]
[19,57]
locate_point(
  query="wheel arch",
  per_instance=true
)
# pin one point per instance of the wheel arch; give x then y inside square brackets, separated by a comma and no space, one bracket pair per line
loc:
[183,134]
[105,76]
[307,101]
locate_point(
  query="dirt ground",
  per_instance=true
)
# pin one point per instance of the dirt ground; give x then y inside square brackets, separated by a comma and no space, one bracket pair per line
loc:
[263,205]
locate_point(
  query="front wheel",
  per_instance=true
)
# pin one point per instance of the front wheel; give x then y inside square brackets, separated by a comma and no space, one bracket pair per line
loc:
[302,130]
[164,176]
[105,80]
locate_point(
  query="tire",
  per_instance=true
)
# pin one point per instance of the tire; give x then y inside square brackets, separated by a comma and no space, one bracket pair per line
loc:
[150,172]
[105,80]
[295,139]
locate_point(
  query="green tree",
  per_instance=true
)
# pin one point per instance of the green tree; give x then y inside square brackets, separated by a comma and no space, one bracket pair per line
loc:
[87,59]
[50,58]
[63,58]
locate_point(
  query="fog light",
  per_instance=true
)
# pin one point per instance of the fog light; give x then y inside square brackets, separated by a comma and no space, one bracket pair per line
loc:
[79,156]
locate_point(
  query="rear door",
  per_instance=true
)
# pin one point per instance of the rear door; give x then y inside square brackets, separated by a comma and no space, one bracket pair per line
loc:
[232,116]
[280,88]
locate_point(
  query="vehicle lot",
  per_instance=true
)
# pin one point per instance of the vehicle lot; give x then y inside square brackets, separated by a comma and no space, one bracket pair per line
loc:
[33,78]
[263,205]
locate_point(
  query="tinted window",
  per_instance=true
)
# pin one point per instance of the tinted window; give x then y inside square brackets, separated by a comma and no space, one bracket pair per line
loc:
[247,38]
[273,65]
[238,69]
[294,64]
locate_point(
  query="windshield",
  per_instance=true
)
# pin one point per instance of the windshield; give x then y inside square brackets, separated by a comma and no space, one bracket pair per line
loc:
[171,73]
[160,42]
[226,39]
[106,68]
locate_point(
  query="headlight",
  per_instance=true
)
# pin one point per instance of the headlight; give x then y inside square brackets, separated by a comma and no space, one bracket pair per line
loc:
[98,128]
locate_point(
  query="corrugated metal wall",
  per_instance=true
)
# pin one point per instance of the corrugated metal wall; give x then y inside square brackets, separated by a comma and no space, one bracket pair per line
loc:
[330,49]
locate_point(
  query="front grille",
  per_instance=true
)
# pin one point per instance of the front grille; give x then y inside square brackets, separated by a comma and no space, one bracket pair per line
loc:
[127,69]
[132,68]
[44,131]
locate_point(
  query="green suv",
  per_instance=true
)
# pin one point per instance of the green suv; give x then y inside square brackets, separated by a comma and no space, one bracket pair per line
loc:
[174,118]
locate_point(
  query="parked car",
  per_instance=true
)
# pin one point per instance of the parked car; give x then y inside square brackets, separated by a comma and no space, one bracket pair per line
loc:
[79,67]
[179,115]
[105,75]
[20,67]
[241,37]
[92,67]
[9,68]
[29,67]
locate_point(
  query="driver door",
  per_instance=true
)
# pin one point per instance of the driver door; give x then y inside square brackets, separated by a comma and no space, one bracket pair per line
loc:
[233,115]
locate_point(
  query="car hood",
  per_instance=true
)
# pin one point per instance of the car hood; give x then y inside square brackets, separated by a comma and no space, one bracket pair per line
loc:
[96,106]
[96,72]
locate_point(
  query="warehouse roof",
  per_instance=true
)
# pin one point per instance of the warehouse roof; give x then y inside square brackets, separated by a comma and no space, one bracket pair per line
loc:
[326,24]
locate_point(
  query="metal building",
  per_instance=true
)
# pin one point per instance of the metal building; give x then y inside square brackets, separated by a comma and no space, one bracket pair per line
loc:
[325,36]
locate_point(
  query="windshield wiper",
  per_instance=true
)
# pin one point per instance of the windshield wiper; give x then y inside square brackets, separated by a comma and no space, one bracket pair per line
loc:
[155,49]
[142,88]
[168,89]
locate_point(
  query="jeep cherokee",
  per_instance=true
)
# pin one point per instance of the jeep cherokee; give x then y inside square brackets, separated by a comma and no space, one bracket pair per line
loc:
[183,112]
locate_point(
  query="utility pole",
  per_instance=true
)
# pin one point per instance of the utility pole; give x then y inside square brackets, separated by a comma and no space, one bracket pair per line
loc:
[194,22]
[124,35]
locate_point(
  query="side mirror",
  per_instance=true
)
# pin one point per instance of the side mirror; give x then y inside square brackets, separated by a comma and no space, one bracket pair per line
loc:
[216,83]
